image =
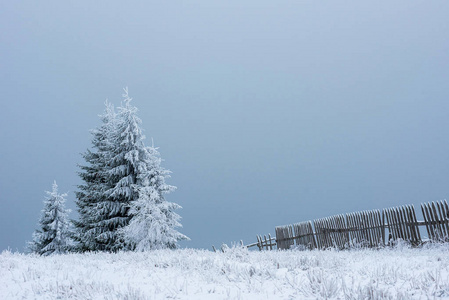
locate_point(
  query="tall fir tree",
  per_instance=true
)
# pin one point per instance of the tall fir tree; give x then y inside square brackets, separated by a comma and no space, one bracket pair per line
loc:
[92,195]
[54,234]
[129,161]
[122,179]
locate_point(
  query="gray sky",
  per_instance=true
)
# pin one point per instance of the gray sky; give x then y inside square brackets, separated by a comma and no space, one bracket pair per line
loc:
[267,112]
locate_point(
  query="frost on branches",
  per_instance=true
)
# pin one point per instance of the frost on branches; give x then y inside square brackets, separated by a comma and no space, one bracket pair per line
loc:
[123,189]
[53,237]
[154,220]
[92,231]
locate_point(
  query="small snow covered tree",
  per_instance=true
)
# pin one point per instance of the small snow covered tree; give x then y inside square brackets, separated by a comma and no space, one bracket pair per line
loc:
[92,197]
[53,237]
[154,222]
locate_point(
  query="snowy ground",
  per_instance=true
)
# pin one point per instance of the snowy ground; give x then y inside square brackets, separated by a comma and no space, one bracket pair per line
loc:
[401,273]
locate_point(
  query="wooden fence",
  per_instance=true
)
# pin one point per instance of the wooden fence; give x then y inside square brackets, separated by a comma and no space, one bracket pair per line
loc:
[304,235]
[402,224]
[436,217]
[363,229]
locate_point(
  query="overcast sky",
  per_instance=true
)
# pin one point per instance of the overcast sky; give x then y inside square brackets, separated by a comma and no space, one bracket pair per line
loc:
[266,112]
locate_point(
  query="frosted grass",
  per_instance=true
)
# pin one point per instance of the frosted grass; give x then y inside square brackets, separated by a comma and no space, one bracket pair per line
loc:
[399,273]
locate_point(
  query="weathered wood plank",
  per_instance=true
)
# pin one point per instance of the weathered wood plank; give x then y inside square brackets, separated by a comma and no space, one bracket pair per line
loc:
[398,223]
[350,230]
[440,221]
[332,233]
[311,236]
[437,223]
[445,217]
[391,226]
[380,228]
[427,220]
[359,226]
[411,225]
[375,228]
[369,229]
[280,240]
[383,227]
[418,234]
[404,222]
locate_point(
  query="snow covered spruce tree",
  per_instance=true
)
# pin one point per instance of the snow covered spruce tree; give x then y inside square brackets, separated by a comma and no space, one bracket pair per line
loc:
[53,237]
[121,172]
[154,220]
[93,232]
[142,181]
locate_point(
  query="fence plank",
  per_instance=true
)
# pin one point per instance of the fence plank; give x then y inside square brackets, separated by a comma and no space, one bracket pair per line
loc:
[364,228]
[346,226]
[317,234]
[394,230]
[279,238]
[365,222]
[436,221]
[427,220]
[391,224]
[368,229]
[326,238]
[383,227]
[333,233]
[380,228]
[359,225]
[417,234]
[343,231]
[386,214]
[397,217]
[351,231]
[433,222]
[445,217]
[442,220]
[330,233]
[311,236]
[357,232]
[412,225]
[325,235]
[398,223]
[404,220]
[374,228]
[339,232]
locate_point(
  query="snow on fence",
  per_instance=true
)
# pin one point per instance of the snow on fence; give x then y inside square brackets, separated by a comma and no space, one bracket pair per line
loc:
[304,234]
[436,220]
[363,229]
[402,224]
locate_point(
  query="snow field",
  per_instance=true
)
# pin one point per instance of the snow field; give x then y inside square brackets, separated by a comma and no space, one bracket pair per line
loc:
[399,273]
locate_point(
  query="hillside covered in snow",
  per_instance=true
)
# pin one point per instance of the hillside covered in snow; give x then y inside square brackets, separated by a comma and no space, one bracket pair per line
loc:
[398,273]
